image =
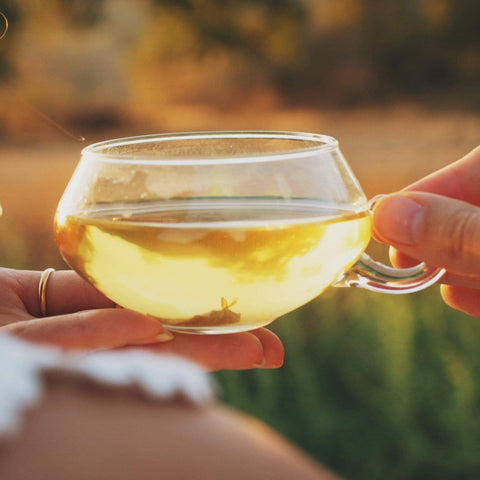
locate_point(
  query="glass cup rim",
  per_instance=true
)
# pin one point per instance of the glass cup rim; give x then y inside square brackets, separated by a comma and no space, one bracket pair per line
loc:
[100,150]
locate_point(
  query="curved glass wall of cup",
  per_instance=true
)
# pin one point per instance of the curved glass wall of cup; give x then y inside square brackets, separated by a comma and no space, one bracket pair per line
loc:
[217,232]
[280,165]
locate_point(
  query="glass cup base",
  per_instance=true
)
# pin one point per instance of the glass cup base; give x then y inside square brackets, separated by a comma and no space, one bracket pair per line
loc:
[214,329]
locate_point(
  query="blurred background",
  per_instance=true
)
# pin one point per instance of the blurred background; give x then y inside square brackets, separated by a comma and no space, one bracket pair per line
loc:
[375,387]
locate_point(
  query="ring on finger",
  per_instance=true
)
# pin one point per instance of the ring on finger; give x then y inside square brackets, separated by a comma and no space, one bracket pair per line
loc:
[42,290]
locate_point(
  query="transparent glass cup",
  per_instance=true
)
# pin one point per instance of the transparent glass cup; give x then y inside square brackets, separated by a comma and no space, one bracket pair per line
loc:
[220,232]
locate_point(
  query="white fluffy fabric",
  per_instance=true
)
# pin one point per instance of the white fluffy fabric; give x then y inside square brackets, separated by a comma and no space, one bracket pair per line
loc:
[159,376]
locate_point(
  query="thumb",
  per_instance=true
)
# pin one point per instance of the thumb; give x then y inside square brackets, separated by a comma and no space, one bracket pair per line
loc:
[438,230]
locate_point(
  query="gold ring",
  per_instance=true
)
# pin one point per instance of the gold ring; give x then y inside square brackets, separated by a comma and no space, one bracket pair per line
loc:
[42,290]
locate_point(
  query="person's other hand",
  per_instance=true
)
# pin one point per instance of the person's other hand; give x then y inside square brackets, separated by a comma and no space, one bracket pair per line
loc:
[79,317]
[437,220]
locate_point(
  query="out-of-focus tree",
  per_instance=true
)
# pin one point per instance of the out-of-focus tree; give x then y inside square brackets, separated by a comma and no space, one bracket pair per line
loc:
[383,49]
[268,31]
[214,52]
[8,22]
[82,13]
[81,58]
[399,47]
[461,39]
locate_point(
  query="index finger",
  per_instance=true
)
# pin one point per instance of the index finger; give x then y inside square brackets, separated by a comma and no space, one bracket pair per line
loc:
[460,180]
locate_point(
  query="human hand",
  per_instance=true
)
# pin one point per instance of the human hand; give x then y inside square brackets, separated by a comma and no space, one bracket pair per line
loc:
[81,318]
[437,220]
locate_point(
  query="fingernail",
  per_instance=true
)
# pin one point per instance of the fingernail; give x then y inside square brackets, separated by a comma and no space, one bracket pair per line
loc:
[398,219]
[165,336]
[261,364]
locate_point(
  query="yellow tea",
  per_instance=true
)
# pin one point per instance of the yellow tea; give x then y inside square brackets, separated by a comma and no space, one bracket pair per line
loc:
[201,264]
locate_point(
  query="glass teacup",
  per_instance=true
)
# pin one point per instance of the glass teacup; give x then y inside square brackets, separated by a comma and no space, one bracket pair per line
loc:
[220,232]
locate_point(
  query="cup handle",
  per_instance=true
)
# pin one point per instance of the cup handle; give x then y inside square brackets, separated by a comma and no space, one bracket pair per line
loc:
[377,277]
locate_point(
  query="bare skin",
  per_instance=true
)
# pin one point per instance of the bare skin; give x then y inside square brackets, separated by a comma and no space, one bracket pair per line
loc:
[82,318]
[78,432]
[437,220]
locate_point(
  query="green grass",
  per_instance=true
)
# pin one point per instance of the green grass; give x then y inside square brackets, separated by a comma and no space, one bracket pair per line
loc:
[374,386]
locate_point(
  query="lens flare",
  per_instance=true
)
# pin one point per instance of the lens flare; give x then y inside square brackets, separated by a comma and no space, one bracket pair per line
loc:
[5,19]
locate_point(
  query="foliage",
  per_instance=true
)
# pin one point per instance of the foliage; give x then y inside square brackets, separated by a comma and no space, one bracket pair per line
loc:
[374,387]
[82,13]
[11,13]
[325,51]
